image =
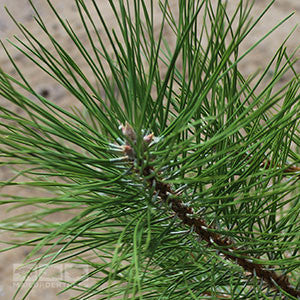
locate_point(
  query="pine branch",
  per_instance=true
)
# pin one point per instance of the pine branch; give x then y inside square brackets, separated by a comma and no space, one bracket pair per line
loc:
[224,145]
[206,232]
[198,225]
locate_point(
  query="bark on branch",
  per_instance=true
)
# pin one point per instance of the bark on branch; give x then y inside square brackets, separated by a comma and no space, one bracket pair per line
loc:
[213,239]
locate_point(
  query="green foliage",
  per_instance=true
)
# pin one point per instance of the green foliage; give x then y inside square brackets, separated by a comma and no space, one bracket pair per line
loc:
[224,152]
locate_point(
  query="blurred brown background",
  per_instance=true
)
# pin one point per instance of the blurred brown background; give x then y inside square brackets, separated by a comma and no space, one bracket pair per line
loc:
[24,14]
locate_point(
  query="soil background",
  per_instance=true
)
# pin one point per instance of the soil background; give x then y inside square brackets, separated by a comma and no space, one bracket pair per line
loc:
[22,11]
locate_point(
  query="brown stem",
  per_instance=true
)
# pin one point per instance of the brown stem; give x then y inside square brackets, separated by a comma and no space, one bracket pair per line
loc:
[221,297]
[212,238]
[291,169]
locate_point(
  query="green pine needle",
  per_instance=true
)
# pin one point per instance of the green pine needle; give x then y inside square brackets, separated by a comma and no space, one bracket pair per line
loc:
[178,178]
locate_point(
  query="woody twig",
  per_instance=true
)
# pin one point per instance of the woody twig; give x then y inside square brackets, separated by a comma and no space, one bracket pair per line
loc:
[213,239]
[204,231]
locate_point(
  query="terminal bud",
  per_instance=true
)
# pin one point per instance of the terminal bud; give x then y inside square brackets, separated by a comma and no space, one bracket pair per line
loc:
[129,133]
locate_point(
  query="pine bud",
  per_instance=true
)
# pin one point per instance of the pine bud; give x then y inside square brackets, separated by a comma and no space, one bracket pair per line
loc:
[129,133]
[148,138]
[128,151]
